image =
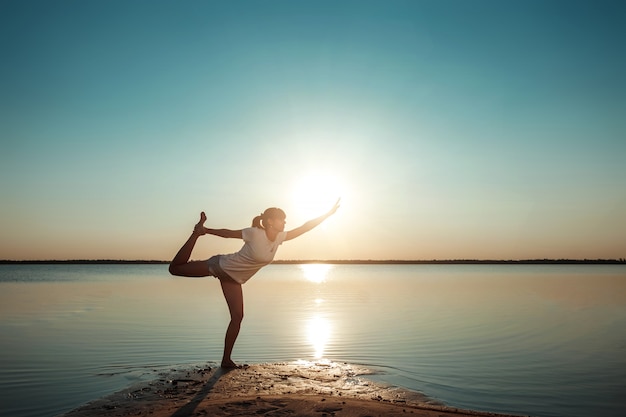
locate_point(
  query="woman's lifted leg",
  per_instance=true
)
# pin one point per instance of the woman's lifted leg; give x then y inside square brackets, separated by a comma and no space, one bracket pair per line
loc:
[180,265]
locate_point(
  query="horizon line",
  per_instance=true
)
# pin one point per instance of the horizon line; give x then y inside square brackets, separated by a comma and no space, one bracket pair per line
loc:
[339,261]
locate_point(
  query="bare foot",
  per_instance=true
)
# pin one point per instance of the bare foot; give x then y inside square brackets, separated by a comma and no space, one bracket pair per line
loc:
[199,227]
[229,364]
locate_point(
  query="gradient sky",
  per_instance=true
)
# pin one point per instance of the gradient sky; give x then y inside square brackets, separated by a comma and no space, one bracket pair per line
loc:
[450,128]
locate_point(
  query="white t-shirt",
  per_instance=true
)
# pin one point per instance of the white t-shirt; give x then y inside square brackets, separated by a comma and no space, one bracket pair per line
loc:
[256,252]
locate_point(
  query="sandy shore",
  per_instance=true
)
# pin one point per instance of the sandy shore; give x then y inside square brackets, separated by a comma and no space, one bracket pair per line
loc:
[283,389]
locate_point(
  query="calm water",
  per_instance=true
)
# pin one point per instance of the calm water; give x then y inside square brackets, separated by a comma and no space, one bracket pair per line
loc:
[522,339]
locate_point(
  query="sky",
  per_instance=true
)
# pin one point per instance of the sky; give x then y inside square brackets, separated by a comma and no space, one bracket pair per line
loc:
[450,129]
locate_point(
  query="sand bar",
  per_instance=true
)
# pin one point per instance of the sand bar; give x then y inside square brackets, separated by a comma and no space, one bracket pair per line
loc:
[279,389]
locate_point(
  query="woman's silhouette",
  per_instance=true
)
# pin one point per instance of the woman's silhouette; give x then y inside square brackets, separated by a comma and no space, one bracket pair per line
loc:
[260,244]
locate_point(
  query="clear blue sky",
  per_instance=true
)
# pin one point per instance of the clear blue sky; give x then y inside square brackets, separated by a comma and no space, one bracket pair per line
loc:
[450,128]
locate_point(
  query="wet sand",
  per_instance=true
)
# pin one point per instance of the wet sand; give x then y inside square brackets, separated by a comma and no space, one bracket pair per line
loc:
[279,389]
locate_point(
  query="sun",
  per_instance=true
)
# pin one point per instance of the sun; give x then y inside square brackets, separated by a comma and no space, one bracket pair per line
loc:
[315,194]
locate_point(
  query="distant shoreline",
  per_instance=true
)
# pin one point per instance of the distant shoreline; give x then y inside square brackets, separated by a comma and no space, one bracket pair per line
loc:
[620,261]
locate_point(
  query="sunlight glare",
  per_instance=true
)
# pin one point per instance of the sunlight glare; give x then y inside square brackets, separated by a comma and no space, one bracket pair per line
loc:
[315,194]
[316,273]
[318,333]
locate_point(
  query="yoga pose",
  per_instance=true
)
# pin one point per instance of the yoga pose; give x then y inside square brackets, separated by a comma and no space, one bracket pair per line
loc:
[260,244]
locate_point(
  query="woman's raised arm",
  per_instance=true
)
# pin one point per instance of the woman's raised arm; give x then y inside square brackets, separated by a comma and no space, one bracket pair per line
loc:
[227,233]
[200,230]
[292,234]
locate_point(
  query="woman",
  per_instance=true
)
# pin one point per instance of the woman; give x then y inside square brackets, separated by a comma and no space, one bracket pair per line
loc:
[260,244]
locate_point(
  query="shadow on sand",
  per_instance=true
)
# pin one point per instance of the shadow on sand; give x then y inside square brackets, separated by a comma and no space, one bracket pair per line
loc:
[190,407]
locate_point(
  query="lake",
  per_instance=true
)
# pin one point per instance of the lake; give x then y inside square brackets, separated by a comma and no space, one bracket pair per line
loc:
[540,340]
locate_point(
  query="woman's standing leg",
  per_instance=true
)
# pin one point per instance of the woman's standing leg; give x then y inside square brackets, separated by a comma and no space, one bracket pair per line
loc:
[234,298]
[180,265]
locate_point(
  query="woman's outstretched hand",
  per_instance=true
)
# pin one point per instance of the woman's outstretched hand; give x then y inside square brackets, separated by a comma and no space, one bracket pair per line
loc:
[335,207]
[292,234]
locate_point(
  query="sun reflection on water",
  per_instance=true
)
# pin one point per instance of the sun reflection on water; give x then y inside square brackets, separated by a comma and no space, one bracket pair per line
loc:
[318,327]
[315,272]
[318,333]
